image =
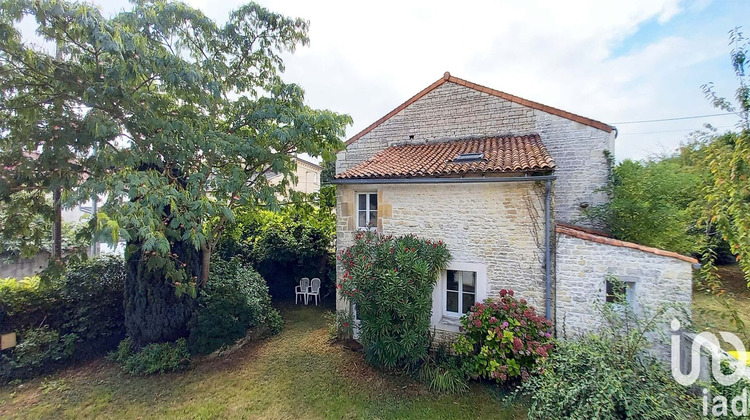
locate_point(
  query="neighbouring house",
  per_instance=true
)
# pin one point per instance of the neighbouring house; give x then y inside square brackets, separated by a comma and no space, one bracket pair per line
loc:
[308,177]
[502,181]
[12,265]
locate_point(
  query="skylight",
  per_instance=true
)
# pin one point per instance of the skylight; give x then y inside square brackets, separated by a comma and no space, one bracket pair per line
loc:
[468,157]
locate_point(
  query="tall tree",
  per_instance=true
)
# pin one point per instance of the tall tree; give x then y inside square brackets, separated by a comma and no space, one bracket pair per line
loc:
[728,158]
[329,170]
[186,116]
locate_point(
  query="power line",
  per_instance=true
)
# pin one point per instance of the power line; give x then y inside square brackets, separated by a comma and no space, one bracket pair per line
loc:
[674,119]
[666,131]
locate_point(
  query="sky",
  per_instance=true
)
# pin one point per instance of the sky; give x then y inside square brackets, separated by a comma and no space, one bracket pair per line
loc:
[612,61]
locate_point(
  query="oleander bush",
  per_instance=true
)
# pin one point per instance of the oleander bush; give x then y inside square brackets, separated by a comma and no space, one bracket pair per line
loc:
[340,325]
[503,339]
[390,281]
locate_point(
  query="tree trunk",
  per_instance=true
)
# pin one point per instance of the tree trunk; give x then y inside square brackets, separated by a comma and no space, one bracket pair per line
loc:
[153,312]
[57,192]
[205,263]
[57,225]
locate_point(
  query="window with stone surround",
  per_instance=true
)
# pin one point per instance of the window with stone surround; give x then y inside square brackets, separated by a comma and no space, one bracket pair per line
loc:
[367,211]
[460,291]
[459,286]
[620,292]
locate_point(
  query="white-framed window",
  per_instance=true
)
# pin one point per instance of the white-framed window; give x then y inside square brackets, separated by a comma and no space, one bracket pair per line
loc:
[460,291]
[460,286]
[367,211]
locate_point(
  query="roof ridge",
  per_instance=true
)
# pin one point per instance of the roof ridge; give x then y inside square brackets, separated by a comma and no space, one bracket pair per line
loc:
[299,159]
[494,92]
[479,137]
[531,104]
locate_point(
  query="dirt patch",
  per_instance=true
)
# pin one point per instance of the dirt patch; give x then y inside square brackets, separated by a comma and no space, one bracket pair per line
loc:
[734,280]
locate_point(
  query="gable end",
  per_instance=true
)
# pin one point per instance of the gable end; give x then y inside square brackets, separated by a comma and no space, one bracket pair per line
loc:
[511,98]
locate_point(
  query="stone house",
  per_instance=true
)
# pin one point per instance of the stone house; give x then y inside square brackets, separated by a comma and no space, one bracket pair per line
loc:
[502,181]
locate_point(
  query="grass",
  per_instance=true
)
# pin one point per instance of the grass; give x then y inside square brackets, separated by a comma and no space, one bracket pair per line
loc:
[707,308]
[296,374]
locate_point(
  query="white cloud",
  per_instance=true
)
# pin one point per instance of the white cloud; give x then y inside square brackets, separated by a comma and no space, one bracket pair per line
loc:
[365,58]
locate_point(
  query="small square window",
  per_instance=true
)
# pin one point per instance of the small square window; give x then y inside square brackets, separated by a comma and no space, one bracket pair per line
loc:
[620,292]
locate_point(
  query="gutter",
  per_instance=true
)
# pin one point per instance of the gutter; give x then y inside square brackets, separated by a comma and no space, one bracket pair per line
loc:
[531,178]
[547,252]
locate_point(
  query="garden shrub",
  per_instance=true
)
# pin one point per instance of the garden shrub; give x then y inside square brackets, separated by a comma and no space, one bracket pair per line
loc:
[503,339]
[443,372]
[284,247]
[27,303]
[612,374]
[92,293]
[390,280]
[41,345]
[153,358]
[38,350]
[340,325]
[234,299]
[593,377]
[86,303]
[739,390]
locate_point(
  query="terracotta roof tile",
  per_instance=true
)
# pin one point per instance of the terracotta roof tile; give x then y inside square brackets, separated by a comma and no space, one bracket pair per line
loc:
[586,235]
[500,155]
[508,97]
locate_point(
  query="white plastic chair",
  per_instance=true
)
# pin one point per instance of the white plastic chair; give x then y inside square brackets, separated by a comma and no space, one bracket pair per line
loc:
[315,289]
[304,284]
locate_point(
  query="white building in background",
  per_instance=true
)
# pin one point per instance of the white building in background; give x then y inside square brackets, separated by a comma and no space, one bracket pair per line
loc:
[308,177]
[81,214]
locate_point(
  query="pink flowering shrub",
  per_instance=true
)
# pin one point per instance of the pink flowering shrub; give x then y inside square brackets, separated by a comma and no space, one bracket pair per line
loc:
[503,338]
[390,280]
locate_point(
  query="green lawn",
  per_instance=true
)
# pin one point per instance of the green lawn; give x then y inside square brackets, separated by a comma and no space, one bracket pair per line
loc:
[296,374]
[706,307]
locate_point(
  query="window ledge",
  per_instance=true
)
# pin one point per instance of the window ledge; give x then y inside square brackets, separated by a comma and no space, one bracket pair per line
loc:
[448,323]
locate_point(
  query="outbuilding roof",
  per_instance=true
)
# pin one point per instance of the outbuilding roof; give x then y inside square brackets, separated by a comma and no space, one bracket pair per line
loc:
[500,154]
[590,235]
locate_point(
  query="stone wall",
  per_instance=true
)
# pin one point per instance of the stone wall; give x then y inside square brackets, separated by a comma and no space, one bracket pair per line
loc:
[582,267]
[19,268]
[497,225]
[452,111]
